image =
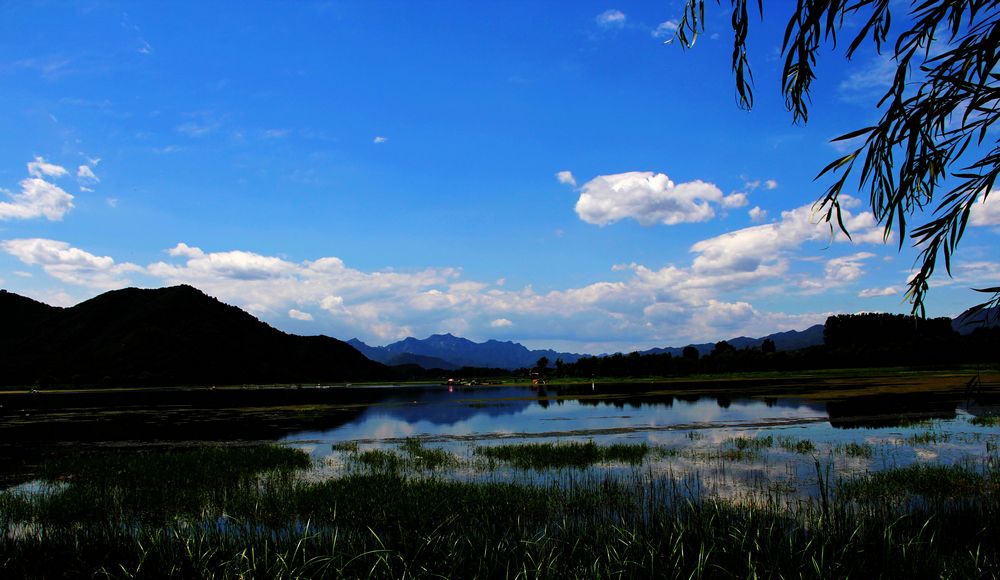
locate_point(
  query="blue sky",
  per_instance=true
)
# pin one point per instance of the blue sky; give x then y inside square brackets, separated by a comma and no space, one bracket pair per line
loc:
[551,173]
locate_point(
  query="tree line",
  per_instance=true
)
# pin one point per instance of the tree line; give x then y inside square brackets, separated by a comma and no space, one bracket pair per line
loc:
[850,340]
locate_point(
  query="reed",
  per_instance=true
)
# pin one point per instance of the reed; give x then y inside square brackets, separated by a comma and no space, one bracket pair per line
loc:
[260,520]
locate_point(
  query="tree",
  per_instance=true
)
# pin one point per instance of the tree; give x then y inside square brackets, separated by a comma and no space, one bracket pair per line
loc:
[931,147]
[542,364]
[768,346]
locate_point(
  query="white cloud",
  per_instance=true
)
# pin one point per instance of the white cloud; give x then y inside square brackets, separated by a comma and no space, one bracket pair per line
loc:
[611,18]
[41,168]
[566,177]
[192,129]
[185,250]
[378,140]
[276,133]
[735,200]
[759,248]
[85,173]
[38,198]
[234,265]
[847,268]
[877,292]
[708,299]
[646,197]
[757,214]
[770,184]
[867,80]
[299,315]
[986,212]
[665,29]
[111,201]
[69,264]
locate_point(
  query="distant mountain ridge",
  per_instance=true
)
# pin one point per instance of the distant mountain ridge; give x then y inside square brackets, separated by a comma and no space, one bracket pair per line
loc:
[460,352]
[165,336]
[449,352]
[787,340]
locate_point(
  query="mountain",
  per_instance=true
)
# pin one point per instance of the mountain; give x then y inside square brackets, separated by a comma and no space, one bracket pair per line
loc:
[460,352]
[788,340]
[166,336]
[968,321]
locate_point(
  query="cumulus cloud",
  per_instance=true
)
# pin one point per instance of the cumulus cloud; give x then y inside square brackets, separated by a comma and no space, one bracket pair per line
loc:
[770,184]
[378,140]
[41,168]
[735,200]
[706,299]
[847,268]
[299,315]
[85,173]
[665,29]
[877,292]
[758,249]
[757,214]
[566,177]
[648,198]
[69,264]
[986,212]
[611,18]
[38,197]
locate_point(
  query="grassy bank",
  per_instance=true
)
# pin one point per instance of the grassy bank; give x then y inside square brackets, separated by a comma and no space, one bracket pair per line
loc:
[242,512]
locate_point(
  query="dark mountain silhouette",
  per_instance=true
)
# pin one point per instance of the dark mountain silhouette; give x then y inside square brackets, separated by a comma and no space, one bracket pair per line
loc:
[164,336]
[969,321]
[403,358]
[788,340]
[461,352]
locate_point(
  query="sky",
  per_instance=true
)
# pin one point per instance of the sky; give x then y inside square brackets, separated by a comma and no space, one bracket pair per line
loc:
[560,174]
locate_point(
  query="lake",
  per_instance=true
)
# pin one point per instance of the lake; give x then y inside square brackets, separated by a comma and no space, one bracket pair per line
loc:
[726,442]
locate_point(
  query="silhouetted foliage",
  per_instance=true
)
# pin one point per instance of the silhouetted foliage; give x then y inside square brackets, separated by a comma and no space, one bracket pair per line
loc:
[933,147]
[863,340]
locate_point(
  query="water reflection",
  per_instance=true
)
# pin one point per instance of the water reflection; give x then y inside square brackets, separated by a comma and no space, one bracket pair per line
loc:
[487,413]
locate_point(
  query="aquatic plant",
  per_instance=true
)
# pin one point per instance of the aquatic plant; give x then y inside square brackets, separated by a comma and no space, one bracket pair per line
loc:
[793,445]
[386,524]
[561,455]
[853,449]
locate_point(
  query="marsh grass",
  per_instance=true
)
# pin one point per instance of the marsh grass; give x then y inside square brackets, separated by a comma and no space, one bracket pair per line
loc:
[927,438]
[541,456]
[388,524]
[933,482]
[853,449]
[412,454]
[985,421]
[794,445]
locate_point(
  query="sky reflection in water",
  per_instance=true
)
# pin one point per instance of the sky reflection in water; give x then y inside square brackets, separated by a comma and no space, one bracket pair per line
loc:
[698,426]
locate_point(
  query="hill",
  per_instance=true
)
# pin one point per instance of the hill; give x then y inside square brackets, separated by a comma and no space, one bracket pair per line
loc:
[783,341]
[165,336]
[459,352]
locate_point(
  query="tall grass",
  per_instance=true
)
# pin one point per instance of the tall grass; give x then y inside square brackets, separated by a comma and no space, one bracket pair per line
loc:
[541,456]
[260,521]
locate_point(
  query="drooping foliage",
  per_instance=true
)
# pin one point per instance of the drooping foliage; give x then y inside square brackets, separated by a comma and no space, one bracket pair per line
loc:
[932,150]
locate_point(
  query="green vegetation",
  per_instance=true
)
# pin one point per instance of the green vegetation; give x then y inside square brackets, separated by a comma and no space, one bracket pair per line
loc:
[258,520]
[927,437]
[793,445]
[852,449]
[560,455]
[986,421]
[928,481]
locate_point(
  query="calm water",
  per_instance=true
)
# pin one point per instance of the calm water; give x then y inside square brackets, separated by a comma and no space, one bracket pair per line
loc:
[697,431]
[695,436]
